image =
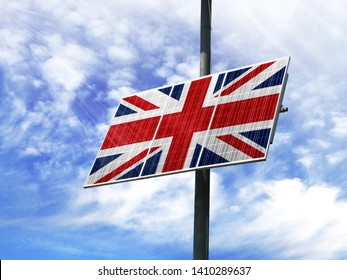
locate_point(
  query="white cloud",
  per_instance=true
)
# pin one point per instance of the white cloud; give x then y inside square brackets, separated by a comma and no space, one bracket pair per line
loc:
[122,54]
[285,218]
[158,210]
[150,208]
[306,156]
[118,94]
[68,65]
[179,64]
[320,144]
[59,71]
[340,127]
[307,161]
[11,47]
[122,77]
[314,123]
[31,151]
[19,107]
[289,219]
[336,157]
[283,138]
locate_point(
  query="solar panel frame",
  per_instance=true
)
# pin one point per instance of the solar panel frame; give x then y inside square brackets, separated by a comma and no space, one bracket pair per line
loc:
[240,97]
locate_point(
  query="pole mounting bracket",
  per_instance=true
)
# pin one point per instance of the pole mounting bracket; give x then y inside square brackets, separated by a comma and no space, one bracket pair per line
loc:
[283,109]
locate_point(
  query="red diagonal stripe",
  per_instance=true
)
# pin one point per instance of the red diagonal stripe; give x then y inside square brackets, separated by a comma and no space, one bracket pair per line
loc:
[125,165]
[246,78]
[245,111]
[140,103]
[130,133]
[241,146]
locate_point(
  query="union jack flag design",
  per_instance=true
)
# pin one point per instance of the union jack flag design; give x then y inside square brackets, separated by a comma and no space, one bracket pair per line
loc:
[216,120]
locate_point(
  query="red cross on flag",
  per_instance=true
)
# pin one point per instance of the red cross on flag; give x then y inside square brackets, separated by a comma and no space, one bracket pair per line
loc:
[216,120]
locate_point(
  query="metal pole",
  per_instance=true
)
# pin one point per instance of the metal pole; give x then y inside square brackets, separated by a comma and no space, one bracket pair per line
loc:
[205,38]
[202,177]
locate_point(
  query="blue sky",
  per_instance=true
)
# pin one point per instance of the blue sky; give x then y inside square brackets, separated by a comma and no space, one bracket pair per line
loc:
[64,65]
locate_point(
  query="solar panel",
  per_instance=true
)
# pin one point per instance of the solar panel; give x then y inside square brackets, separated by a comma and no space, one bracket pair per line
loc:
[217,120]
